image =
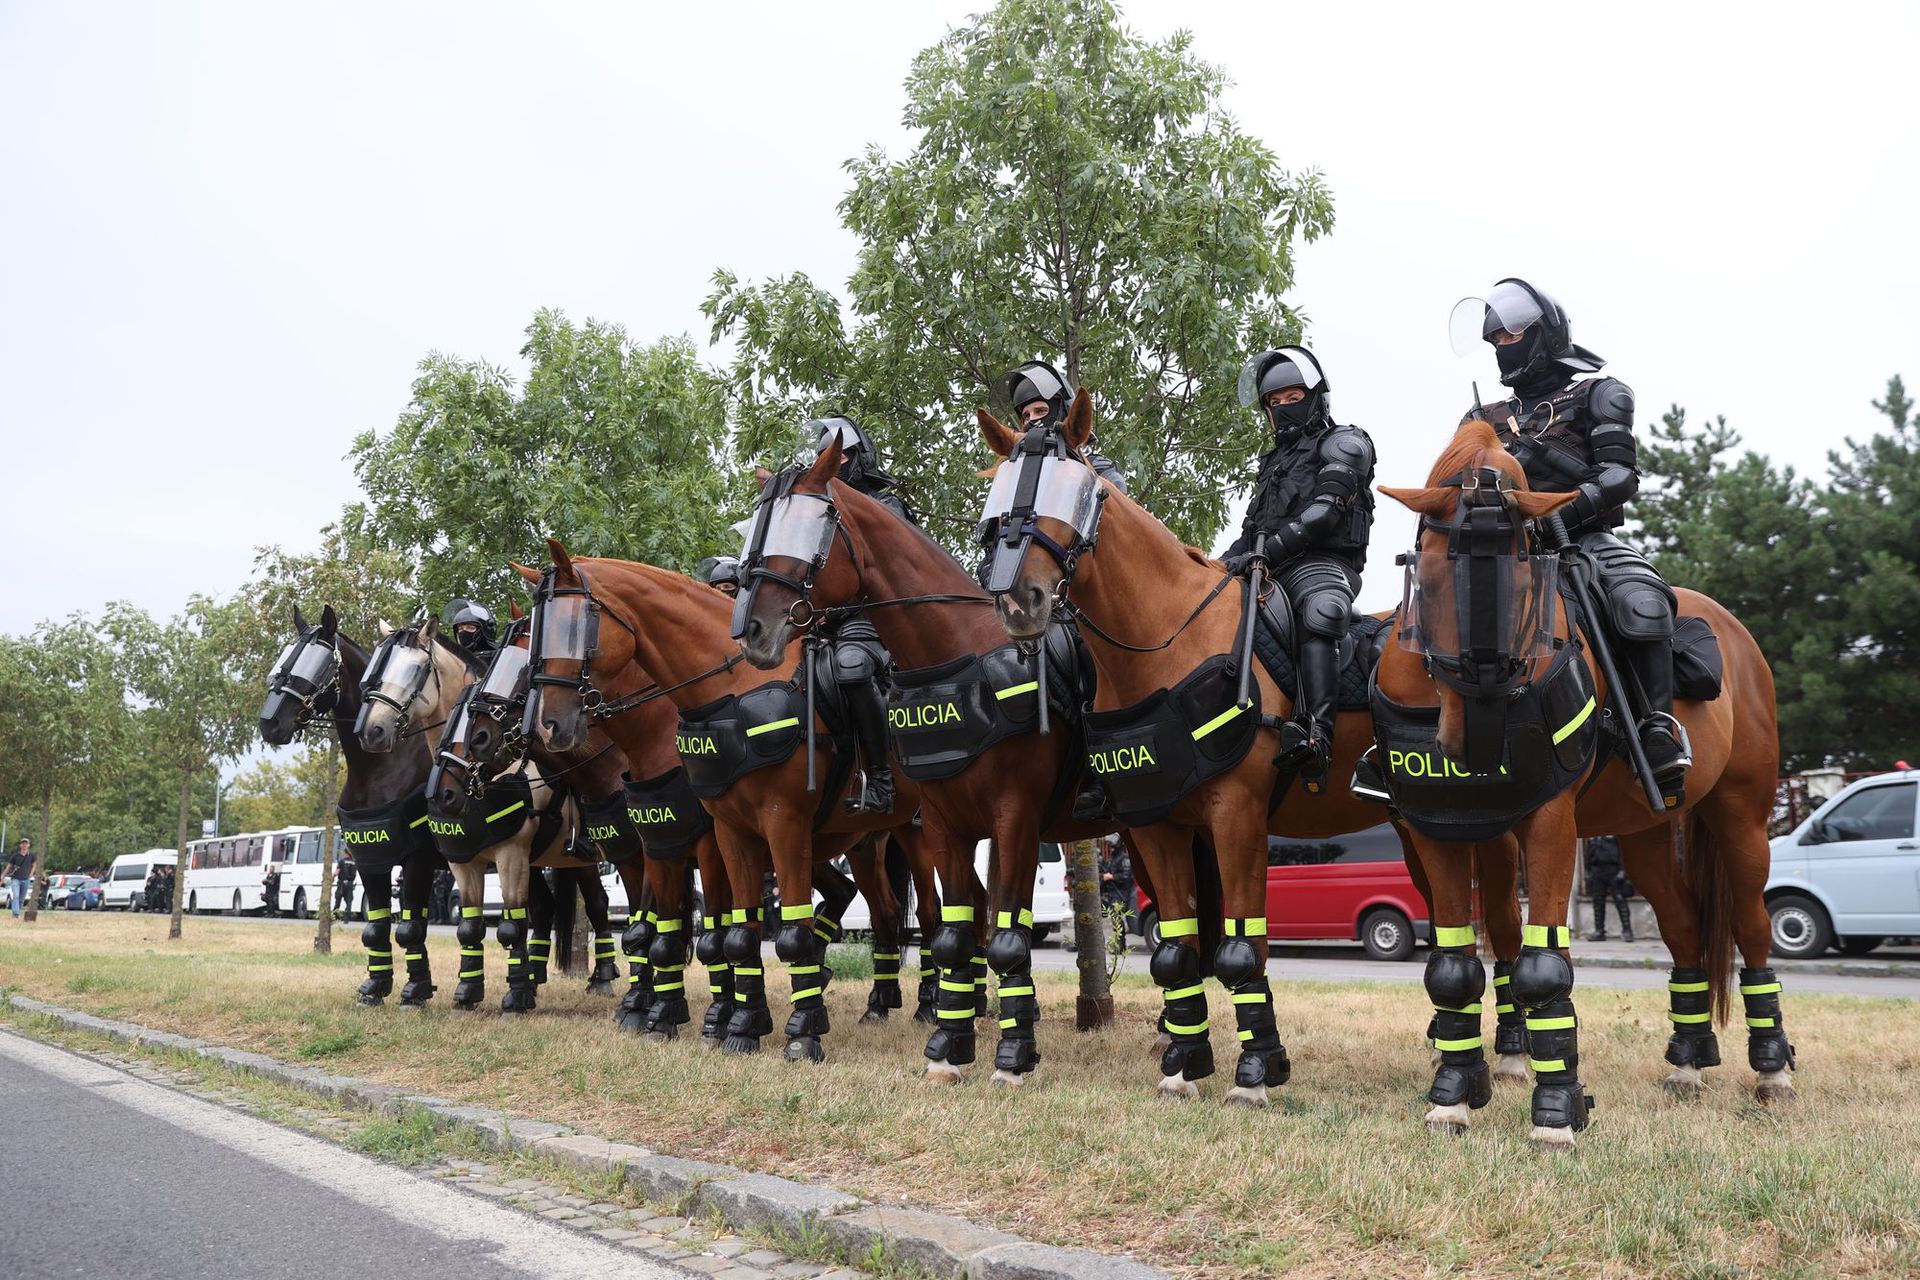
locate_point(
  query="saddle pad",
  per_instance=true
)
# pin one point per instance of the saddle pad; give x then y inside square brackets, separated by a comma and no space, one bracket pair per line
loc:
[1359,652]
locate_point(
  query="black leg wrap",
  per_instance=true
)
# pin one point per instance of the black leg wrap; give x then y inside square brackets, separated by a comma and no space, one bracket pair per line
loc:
[1560,1101]
[1767,1046]
[1263,1059]
[512,932]
[1236,962]
[520,997]
[885,994]
[539,952]
[606,971]
[1690,1006]
[1010,950]
[978,967]
[669,1007]
[927,998]
[1510,1021]
[472,929]
[472,987]
[1019,1048]
[795,943]
[711,948]
[954,1039]
[419,988]
[1455,982]
[377,939]
[1190,1056]
[751,1018]
[952,947]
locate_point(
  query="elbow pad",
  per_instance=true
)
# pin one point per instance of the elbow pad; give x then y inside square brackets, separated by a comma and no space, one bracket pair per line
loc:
[1613,444]
[1613,485]
[1319,519]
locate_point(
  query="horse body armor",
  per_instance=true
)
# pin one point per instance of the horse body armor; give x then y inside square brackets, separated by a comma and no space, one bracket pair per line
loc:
[1152,754]
[942,718]
[725,740]
[497,816]
[1553,735]
[608,825]
[390,832]
[666,814]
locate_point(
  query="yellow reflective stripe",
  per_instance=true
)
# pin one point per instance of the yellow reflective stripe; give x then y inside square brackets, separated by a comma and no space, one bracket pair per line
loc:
[1759,988]
[1005,919]
[378,913]
[1008,1024]
[1181,993]
[1465,1008]
[1502,979]
[516,913]
[1688,986]
[955,1015]
[1016,991]
[798,995]
[801,912]
[376,952]
[675,985]
[1188,1028]
[1246,1035]
[886,955]
[771,725]
[380,968]
[1560,735]
[803,968]
[1187,928]
[1547,1064]
[718,966]
[1447,935]
[1550,1024]
[1544,935]
[517,804]
[746,972]
[545,944]
[669,926]
[1690,1017]
[1250,927]
[1016,690]
[1217,721]
[1762,1022]
[1503,1008]
[416,822]
[416,955]
[966,986]
[1252,997]
[473,951]
[468,913]
[708,922]
[956,915]
[1455,1046]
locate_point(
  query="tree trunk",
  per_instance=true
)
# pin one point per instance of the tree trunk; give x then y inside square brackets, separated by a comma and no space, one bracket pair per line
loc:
[37,882]
[323,918]
[1095,1006]
[180,859]
[582,942]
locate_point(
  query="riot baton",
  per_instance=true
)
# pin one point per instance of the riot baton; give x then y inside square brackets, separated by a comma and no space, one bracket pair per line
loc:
[1596,637]
[808,645]
[1256,569]
[1040,680]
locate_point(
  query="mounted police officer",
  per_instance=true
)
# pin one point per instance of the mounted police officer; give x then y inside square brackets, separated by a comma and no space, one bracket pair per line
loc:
[1313,501]
[1574,434]
[722,573]
[1041,398]
[859,659]
[471,626]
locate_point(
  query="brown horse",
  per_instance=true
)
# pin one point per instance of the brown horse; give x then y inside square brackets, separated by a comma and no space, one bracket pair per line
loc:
[1018,791]
[1154,611]
[607,614]
[1704,910]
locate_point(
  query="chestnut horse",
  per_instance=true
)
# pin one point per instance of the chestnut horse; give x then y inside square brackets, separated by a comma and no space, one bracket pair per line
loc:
[1704,910]
[592,618]
[1154,610]
[1019,791]
[657,883]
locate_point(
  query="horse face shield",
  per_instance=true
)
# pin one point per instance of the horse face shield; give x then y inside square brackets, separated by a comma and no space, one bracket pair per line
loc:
[566,627]
[396,676]
[798,526]
[1038,481]
[308,671]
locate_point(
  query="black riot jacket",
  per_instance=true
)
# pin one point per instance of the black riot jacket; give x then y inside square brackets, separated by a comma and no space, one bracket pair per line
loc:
[1314,493]
[1578,439]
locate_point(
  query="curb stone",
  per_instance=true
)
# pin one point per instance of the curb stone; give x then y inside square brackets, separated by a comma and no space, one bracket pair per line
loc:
[1786,968]
[935,1242]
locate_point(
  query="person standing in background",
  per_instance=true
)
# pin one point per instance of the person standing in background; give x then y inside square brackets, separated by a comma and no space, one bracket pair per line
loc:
[1607,879]
[20,875]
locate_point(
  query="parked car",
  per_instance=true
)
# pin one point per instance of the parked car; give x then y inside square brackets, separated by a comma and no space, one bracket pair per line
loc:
[58,886]
[126,879]
[85,895]
[1348,887]
[1849,876]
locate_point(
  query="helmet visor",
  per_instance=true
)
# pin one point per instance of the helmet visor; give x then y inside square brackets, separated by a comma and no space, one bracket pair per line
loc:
[1034,381]
[1509,308]
[1274,370]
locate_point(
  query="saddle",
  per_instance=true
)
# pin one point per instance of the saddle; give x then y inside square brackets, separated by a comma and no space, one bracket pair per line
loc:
[1359,653]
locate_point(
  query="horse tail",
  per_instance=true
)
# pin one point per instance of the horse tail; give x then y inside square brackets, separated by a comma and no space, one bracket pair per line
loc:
[1210,902]
[1713,904]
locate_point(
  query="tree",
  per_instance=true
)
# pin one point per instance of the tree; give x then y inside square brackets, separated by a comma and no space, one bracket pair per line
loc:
[1074,193]
[618,448]
[192,672]
[64,730]
[298,792]
[126,811]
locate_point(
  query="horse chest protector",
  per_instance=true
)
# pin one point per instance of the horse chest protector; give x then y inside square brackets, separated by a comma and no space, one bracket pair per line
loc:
[666,814]
[943,718]
[389,833]
[494,818]
[1152,754]
[1553,732]
[723,741]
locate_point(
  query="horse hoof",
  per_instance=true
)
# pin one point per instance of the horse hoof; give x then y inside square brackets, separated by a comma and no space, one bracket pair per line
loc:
[1161,1043]
[1774,1087]
[1685,1082]
[465,1006]
[1544,1139]
[741,1044]
[514,1014]
[1178,1089]
[1252,1099]
[1009,1079]
[632,1022]
[872,1016]
[372,1002]
[599,988]
[806,1049]
[1511,1068]
[711,1043]
[413,1005]
[942,1073]
[1451,1120]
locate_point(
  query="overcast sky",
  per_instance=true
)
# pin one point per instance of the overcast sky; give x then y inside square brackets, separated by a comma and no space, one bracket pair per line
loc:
[228,233]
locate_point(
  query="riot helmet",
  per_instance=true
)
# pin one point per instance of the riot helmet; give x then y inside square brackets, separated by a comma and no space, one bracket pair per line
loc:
[471,625]
[722,573]
[1277,370]
[1033,382]
[1532,335]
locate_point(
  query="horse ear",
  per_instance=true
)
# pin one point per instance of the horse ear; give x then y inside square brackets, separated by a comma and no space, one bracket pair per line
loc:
[561,560]
[1436,503]
[1079,428]
[514,611]
[299,621]
[386,628]
[530,575]
[1534,505]
[760,477]
[827,465]
[329,620]
[1000,437]
[428,630]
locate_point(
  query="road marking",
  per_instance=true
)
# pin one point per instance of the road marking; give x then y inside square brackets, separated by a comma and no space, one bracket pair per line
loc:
[466,1222]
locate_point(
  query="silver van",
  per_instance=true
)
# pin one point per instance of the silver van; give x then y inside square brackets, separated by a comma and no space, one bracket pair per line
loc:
[1849,876]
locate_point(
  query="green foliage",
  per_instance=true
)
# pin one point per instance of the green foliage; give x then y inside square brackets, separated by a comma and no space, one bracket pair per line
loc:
[617,448]
[297,790]
[365,582]
[191,671]
[1074,193]
[133,808]
[64,730]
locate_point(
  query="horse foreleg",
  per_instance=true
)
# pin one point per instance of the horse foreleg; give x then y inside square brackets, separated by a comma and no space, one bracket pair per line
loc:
[711,949]
[1456,980]
[376,936]
[953,1043]
[672,924]
[1167,851]
[517,884]
[1016,860]
[747,857]
[410,935]
[471,933]
[888,925]
[1497,863]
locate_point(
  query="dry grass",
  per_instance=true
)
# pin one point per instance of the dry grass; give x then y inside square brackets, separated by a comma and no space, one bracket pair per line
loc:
[1338,1179]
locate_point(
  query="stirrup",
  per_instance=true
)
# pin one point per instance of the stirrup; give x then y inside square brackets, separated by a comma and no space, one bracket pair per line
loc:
[1678,766]
[1303,749]
[1093,803]
[864,802]
[1368,783]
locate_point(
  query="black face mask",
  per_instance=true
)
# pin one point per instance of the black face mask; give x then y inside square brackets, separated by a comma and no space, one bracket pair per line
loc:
[1056,413]
[1291,419]
[1524,365]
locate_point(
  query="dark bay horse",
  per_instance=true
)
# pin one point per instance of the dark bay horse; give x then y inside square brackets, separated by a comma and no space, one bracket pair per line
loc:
[1018,792]
[1706,906]
[592,618]
[318,676]
[1153,611]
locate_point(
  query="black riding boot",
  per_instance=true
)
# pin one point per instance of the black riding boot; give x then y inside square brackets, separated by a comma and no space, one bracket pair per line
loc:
[869,707]
[1661,737]
[1306,741]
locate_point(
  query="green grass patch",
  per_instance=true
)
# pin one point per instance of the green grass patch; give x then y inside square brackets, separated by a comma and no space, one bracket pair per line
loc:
[411,1139]
[331,1043]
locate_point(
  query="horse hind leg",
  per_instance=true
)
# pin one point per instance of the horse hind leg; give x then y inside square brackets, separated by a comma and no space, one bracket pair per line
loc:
[1692,1047]
[1730,837]
[376,936]
[410,934]
[593,896]
[1497,864]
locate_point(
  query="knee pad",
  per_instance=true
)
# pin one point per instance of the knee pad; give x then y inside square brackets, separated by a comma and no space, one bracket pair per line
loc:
[794,943]
[1174,965]
[711,949]
[1325,614]
[512,933]
[1455,979]
[1641,610]
[742,945]
[373,934]
[1540,976]
[952,946]
[853,663]
[1236,962]
[667,949]
[412,932]
[471,931]
[1009,951]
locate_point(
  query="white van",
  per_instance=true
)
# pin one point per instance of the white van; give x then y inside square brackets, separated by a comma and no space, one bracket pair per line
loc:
[126,879]
[1850,874]
[1051,907]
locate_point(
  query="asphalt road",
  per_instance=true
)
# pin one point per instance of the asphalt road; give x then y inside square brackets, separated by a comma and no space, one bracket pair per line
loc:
[146,1181]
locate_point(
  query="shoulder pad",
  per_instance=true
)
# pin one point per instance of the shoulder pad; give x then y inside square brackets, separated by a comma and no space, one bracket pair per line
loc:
[1611,400]
[1349,445]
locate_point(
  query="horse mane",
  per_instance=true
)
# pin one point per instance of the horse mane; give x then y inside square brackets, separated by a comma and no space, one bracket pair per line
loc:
[472,663]
[1470,444]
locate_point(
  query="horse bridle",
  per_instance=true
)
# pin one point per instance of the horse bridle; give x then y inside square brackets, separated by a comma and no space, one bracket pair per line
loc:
[592,699]
[372,690]
[309,703]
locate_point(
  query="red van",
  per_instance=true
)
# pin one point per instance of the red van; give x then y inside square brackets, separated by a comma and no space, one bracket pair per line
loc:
[1353,886]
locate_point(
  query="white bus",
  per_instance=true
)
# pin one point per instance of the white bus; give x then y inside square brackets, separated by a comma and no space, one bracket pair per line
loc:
[224,873]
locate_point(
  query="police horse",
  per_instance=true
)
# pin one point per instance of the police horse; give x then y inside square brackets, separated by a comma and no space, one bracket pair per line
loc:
[743,742]
[382,804]
[1494,712]
[966,713]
